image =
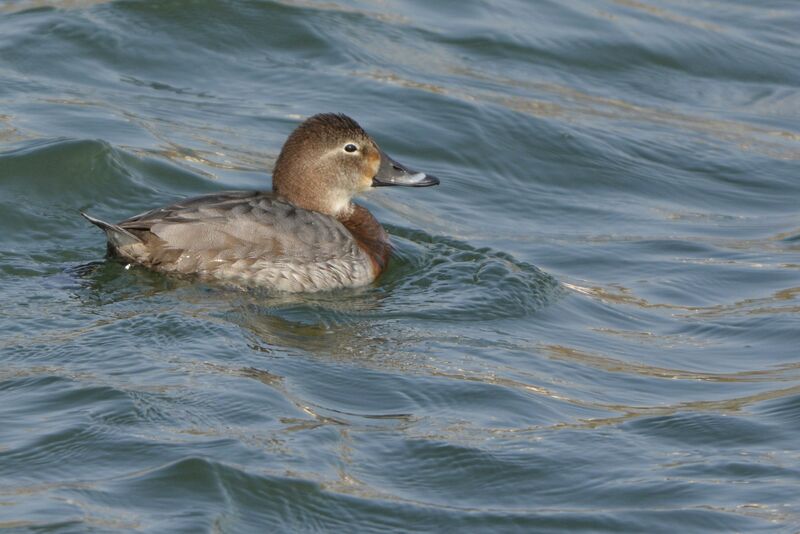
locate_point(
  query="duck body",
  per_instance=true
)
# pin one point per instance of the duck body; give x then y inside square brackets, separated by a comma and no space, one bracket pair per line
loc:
[254,238]
[309,237]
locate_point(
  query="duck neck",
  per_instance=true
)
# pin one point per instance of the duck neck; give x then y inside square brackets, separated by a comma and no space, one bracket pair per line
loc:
[329,201]
[369,235]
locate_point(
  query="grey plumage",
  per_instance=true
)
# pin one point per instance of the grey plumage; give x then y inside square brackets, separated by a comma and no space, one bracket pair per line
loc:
[117,236]
[245,237]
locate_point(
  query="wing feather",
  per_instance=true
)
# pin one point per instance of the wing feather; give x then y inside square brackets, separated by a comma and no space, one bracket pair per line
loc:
[203,233]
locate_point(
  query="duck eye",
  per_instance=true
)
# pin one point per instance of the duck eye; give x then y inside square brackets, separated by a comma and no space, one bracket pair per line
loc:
[350,147]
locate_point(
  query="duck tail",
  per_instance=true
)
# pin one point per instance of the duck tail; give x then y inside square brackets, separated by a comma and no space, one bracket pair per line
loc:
[117,236]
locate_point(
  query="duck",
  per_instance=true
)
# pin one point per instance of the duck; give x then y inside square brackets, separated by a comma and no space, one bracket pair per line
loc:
[305,235]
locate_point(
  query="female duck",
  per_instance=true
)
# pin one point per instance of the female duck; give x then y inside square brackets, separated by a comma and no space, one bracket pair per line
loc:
[304,235]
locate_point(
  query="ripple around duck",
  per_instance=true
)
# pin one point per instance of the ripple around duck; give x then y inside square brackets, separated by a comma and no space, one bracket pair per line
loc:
[444,279]
[437,277]
[429,278]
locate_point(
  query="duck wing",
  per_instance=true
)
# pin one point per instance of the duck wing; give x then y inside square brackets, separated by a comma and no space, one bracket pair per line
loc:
[236,234]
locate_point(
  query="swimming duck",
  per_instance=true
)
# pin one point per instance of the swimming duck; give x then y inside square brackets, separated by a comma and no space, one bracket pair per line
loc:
[304,235]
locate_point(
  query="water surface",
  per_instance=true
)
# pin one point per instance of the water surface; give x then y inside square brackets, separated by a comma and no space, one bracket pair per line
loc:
[591,325]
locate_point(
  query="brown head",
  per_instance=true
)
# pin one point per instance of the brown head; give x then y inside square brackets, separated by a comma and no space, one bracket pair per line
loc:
[328,159]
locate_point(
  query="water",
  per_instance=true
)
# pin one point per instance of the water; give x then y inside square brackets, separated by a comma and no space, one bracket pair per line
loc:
[591,325]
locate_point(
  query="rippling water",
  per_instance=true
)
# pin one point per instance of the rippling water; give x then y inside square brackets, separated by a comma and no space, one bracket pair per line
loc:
[591,325]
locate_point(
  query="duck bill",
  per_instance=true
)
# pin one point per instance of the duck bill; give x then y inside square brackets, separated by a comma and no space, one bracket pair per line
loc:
[392,173]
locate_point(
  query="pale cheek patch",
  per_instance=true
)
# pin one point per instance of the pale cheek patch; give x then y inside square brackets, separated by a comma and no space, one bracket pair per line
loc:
[372,169]
[366,181]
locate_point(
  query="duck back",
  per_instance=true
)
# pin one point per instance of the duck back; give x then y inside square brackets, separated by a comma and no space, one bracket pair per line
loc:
[250,238]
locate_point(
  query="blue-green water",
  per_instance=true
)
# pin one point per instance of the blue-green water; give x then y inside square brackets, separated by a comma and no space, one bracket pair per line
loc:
[593,324]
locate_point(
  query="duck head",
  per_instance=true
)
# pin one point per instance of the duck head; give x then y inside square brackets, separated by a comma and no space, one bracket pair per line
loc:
[329,159]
